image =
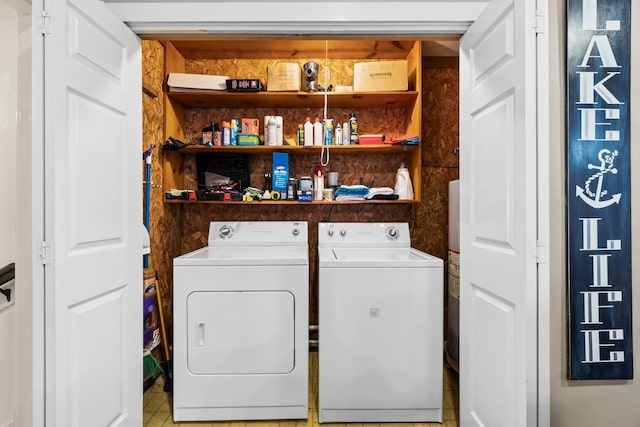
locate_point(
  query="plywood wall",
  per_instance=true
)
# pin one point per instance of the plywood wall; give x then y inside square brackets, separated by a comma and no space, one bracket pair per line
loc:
[180,228]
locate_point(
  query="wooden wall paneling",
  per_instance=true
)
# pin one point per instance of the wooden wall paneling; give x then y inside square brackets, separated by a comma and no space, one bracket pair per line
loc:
[440,113]
[164,230]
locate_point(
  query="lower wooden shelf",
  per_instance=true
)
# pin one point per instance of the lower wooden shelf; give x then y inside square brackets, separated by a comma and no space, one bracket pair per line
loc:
[286,202]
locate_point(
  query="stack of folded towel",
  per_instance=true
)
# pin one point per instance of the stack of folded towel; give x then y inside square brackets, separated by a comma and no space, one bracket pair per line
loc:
[352,192]
[381,193]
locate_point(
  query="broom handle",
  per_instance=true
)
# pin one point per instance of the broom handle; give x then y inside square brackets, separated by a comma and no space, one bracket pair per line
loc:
[165,343]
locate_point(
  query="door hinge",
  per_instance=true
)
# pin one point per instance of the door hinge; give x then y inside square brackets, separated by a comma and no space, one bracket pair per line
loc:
[45,22]
[540,252]
[44,253]
[540,23]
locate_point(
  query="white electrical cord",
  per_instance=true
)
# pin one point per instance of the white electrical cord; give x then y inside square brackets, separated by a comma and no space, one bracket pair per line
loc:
[323,161]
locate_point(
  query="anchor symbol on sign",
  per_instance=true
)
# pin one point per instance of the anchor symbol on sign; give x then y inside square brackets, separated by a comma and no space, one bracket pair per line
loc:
[606,158]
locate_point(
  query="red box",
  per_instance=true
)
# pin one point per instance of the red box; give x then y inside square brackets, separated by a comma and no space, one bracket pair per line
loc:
[370,139]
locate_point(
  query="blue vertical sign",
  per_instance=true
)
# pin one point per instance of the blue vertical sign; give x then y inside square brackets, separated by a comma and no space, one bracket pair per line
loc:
[599,189]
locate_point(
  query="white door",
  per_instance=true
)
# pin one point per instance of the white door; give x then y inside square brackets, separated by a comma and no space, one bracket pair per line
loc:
[93,215]
[498,218]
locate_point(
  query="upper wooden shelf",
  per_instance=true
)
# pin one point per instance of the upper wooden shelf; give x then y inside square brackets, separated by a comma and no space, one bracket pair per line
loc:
[297,149]
[291,48]
[222,99]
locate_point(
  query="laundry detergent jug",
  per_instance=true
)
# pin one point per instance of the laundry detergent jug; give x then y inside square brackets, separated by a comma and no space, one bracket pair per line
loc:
[403,187]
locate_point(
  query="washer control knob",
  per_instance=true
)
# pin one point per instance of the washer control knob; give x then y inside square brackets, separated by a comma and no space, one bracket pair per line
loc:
[295,231]
[392,233]
[343,232]
[330,233]
[225,231]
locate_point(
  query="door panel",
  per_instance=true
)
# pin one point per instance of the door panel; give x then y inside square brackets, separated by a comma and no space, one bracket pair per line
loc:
[497,218]
[93,275]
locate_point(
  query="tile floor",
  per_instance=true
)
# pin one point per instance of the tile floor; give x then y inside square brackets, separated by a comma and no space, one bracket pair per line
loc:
[157,407]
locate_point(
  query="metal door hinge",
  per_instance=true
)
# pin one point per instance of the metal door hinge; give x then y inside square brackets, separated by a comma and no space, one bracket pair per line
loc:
[540,252]
[45,22]
[44,253]
[541,28]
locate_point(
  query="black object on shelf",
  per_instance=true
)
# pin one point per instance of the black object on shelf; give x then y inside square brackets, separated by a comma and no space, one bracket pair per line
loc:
[7,274]
[235,166]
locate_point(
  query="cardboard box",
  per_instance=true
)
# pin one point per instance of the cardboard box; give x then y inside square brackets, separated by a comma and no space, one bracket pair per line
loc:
[380,76]
[250,125]
[283,76]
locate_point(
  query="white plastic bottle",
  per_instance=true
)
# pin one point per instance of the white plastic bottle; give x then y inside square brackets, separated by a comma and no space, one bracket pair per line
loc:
[317,132]
[271,138]
[338,134]
[226,133]
[279,131]
[345,134]
[308,132]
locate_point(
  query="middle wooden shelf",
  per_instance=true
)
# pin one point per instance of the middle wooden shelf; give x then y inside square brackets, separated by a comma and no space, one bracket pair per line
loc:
[297,149]
[222,99]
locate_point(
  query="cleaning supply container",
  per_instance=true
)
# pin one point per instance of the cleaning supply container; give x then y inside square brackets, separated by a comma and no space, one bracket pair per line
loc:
[403,187]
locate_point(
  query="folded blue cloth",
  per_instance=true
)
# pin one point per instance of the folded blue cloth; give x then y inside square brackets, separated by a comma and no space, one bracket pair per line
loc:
[352,191]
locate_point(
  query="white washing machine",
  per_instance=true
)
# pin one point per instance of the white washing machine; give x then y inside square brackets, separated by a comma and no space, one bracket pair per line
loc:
[380,325]
[240,324]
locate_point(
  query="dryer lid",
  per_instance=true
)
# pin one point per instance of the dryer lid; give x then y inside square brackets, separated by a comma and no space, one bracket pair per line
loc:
[246,255]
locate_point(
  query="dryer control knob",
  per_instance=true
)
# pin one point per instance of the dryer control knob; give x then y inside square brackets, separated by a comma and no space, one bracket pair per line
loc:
[330,233]
[392,233]
[343,232]
[225,231]
[295,231]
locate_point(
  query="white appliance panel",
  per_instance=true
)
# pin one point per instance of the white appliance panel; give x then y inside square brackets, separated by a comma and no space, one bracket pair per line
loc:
[240,325]
[364,234]
[376,330]
[258,233]
[226,330]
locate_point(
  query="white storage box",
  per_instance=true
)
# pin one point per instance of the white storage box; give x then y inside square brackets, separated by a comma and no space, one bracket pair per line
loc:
[195,82]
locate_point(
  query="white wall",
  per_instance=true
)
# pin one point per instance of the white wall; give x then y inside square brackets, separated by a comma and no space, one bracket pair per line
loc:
[8,143]
[587,403]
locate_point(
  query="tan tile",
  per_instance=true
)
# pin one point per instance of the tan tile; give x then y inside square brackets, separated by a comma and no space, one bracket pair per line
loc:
[450,398]
[158,419]
[449,414]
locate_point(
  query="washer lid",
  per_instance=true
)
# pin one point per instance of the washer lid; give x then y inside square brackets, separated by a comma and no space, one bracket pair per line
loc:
[246,255]
[376,258]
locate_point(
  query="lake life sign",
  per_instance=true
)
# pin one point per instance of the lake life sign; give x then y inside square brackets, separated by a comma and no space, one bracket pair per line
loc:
[599,189]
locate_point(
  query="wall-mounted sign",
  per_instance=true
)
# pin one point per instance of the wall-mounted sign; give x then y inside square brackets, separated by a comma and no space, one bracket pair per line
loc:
[599,189]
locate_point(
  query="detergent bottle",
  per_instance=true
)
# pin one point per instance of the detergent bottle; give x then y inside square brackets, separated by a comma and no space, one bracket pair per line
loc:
[403,187]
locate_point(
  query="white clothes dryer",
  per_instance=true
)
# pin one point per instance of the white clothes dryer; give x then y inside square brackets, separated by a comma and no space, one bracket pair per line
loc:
[380,325]
[240,322]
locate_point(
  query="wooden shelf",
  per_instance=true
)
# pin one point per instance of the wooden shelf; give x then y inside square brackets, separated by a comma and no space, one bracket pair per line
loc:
[293,48]
[222,99]
[250,57]
[285,202]
[296,149]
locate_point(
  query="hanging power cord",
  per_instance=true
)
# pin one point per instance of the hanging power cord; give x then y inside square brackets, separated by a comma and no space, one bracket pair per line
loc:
[325,161]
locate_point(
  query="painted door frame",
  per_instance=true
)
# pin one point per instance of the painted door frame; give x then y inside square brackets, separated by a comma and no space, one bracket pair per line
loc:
[152,20]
